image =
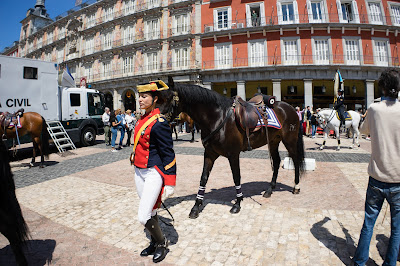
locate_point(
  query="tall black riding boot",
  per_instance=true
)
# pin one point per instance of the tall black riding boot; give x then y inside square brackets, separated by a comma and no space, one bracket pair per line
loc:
[161,241]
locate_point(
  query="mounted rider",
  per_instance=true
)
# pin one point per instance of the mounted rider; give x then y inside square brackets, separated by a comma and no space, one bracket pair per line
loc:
[339,96]
[339,106]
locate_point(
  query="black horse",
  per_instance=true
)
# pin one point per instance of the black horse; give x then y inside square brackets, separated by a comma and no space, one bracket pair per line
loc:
[12,223]
[221,134]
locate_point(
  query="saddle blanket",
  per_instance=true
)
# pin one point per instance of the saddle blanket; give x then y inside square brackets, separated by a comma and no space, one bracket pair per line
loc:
[273,120]
[347,116]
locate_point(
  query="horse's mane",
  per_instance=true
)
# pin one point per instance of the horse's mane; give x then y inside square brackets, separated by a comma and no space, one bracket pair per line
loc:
[8,201]
[194,94]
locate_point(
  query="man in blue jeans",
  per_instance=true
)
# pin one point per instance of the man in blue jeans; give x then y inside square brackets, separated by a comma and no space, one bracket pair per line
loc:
[383,124]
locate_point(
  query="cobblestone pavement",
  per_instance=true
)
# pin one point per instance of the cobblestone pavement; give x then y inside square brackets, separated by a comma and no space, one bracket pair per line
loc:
[82,210]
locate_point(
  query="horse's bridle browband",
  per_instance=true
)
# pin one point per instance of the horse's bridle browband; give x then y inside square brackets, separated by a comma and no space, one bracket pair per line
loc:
[220,125]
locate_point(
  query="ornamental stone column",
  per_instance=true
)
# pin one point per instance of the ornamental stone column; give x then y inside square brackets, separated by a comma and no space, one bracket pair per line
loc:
[241,89]
[308,96]
[369,92]
[276,89]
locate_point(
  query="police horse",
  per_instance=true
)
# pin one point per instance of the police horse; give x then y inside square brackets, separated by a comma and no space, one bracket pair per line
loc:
[328,120]
[223,135]
[19,124]
[12,223]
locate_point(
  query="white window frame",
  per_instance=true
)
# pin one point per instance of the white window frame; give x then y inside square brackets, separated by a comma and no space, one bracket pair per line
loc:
[295,12]
[129,7]
[50,37]
[223,62]
[316,58]
[153,3]
[288,59]
[129,34]
[60,55]
[377,56]
[322,5]
[354,7]
[372,17]
[394,15]
[88,72]
[89,45]
[258,59]
[181,24]
[107,68]
[181,58]
[91,20]
[107,39]
[248,14]
[152,61]
[108,13]
[345,48]
[152,29]
[229,18]
[128,64]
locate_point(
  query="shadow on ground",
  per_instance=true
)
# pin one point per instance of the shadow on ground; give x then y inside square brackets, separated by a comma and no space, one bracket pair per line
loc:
[344,249]
[37,252]
[226,195]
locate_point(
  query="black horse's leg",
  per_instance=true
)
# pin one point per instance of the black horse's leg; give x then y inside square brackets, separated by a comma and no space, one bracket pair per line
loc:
[294,154]
[16,245]
[209,159]
[176,134]
[276,162]
[192,140]
[235,167]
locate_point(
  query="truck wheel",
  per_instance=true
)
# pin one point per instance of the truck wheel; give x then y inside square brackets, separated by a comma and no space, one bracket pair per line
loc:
[88,136]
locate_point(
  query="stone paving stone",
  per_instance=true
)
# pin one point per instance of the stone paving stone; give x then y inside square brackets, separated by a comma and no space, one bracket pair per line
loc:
[88,207]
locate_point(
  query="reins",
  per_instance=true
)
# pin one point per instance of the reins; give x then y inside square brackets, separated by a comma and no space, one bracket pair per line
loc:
[220,125]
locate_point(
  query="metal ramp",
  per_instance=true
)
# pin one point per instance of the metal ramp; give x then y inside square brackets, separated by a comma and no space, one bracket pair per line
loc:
[60,136]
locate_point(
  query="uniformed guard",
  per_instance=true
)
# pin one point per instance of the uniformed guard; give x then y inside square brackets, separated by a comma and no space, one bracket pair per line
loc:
[339,106]
[155,165]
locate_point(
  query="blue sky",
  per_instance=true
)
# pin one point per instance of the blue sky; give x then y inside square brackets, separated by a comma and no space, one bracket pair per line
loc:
[12,12]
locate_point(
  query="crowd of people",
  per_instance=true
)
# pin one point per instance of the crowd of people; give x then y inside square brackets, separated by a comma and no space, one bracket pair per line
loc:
[118,121]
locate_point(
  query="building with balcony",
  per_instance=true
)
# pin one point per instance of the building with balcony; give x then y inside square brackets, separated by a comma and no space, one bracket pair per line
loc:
[292,49]
[113,45]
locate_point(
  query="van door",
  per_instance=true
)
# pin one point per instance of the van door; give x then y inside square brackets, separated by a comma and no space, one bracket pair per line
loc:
[76,105]
[49,103]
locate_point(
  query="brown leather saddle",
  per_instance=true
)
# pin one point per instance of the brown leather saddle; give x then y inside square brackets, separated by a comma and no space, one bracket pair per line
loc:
[252,113]
[9,120]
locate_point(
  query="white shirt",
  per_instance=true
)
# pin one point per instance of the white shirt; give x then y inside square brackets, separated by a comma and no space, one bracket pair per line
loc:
[106,119]
[383,124]
[130,121]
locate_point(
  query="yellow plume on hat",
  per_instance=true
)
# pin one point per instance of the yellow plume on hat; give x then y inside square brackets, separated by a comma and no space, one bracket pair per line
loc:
[156,85]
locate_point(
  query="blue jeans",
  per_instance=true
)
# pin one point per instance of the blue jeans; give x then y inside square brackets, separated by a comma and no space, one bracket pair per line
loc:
[114,132]
[377,192]
[314,130]
[122,131]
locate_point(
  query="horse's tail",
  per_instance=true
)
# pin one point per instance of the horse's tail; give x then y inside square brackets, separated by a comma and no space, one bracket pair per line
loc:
[45,139]
[300,151]
[9,205]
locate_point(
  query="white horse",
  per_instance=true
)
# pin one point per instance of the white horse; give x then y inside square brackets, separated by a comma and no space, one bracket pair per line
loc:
[328,120]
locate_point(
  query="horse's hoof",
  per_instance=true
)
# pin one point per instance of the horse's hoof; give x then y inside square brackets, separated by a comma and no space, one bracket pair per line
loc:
[31,165]
[192,141]
[296,191]
[41,166]
[338,149]
[235,209]
[194,213]
[358,145]
[321,148]
[268,192]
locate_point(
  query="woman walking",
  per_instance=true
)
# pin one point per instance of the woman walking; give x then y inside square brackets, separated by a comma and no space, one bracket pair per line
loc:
[114,129]
[130,125]
[155,166]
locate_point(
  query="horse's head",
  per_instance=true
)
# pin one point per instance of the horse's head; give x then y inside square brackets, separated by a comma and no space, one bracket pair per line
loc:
[321,120]
[170,106]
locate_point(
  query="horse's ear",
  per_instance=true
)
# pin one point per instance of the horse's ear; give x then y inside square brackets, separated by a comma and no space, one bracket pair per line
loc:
[171,83]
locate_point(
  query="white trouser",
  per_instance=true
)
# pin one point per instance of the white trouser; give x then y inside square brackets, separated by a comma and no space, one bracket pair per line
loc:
[148,185]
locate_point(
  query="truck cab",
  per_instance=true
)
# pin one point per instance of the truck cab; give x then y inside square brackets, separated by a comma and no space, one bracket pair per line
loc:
[81,111]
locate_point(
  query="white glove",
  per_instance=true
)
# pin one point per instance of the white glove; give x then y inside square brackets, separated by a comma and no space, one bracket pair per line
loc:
[168,192]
